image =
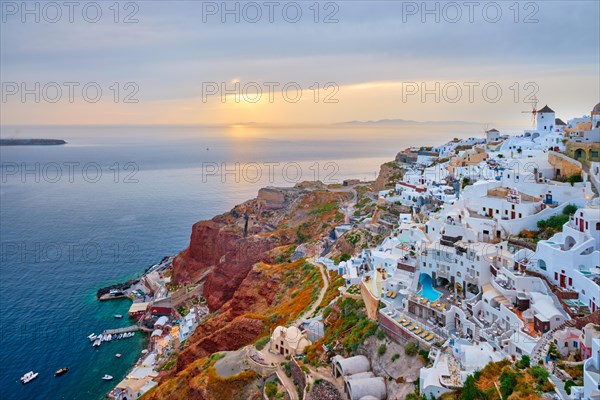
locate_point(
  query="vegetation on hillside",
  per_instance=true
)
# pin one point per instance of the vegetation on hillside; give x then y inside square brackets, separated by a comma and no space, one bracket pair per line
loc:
[346,327]
[548,227]
[504,381]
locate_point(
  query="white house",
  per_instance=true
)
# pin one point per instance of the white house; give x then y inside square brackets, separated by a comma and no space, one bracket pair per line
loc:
[570,259]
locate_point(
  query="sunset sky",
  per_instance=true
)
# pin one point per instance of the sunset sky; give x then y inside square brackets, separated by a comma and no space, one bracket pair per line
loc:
[375,56]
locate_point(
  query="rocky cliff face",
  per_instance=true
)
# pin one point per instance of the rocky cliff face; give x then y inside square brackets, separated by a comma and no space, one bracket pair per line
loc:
[388,173]
[250,284]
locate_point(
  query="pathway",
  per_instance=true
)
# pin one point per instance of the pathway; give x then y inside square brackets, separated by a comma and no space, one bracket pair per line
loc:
[316,303]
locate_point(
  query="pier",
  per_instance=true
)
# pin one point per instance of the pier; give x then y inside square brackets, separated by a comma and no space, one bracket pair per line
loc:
[127,329]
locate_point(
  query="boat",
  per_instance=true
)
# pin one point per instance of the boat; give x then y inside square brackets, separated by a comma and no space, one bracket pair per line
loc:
[61,371]
[97,342]
[120,336]
[107,377]
[118,355]
[28,377]
[118,316]
[92,337]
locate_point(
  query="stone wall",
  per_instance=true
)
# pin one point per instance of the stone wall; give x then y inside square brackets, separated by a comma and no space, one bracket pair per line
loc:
[562,165]
[298,375]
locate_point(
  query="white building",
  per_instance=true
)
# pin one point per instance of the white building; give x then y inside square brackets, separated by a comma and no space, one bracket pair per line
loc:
[571,258]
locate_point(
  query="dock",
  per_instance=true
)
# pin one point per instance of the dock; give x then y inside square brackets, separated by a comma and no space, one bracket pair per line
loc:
[127,329]
[107,296]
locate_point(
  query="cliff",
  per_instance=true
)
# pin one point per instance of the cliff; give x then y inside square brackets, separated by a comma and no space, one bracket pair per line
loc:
[388,174]
[250,283]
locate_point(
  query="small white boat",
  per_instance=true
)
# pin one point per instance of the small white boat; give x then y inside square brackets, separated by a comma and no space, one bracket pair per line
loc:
[107,377]
[118,355]
[118,316]
[28,377]
[97,342]
[92,337]
[120,336]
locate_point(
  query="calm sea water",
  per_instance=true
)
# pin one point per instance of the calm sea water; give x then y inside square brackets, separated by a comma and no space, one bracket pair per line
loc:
[114,201]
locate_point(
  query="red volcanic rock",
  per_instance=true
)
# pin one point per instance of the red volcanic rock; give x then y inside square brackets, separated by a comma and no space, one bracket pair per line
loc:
[232,328]
[226,252]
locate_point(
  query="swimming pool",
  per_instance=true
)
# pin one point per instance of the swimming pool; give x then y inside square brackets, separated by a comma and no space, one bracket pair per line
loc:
[427,291]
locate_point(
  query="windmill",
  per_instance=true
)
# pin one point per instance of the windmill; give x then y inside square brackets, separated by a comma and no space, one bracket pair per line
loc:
[533,111]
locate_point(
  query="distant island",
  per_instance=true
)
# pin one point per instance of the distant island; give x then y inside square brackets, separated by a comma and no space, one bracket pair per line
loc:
[31,142]
[387,122]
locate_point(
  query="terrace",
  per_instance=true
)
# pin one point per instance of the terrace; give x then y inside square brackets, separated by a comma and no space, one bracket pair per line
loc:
[412,327]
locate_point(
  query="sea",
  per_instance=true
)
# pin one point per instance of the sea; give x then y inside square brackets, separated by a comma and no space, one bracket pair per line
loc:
[115,200]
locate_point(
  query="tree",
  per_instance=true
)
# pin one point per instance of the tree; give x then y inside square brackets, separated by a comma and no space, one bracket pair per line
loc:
[381,350]
[470,391]
[524,362]
[345,257]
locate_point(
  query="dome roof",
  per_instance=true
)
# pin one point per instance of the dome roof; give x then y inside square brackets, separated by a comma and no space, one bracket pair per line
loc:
[596,109]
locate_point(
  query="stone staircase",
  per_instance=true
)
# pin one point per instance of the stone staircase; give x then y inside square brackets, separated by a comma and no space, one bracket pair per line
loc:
[540,350]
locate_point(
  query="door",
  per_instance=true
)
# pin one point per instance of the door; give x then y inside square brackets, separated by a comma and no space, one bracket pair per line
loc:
[512,215]
[491,212]
[562,281]
[580,224]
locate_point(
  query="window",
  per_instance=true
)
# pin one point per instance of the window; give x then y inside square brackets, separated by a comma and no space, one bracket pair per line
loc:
[497,211]
[570,281]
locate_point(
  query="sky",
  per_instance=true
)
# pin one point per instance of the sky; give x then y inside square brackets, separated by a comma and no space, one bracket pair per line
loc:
[296,63]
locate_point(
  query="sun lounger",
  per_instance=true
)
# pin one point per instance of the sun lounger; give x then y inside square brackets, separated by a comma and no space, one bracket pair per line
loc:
[394,294]
[441,306]
[419,330]
[413,327]
[430,337]
[401,320]
[425,334]
[406,323]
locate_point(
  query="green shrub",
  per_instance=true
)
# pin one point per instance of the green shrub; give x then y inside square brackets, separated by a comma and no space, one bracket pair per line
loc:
[345,257]
[261,343]
[271,389]
[395,357]
[523,363]
[381,350]
[539,373]
[411,349]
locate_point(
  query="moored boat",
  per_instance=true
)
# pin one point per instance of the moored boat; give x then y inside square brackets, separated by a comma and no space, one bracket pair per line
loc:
[61,371]
[107,377]
[118,316]
[92,337]
[97,342]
